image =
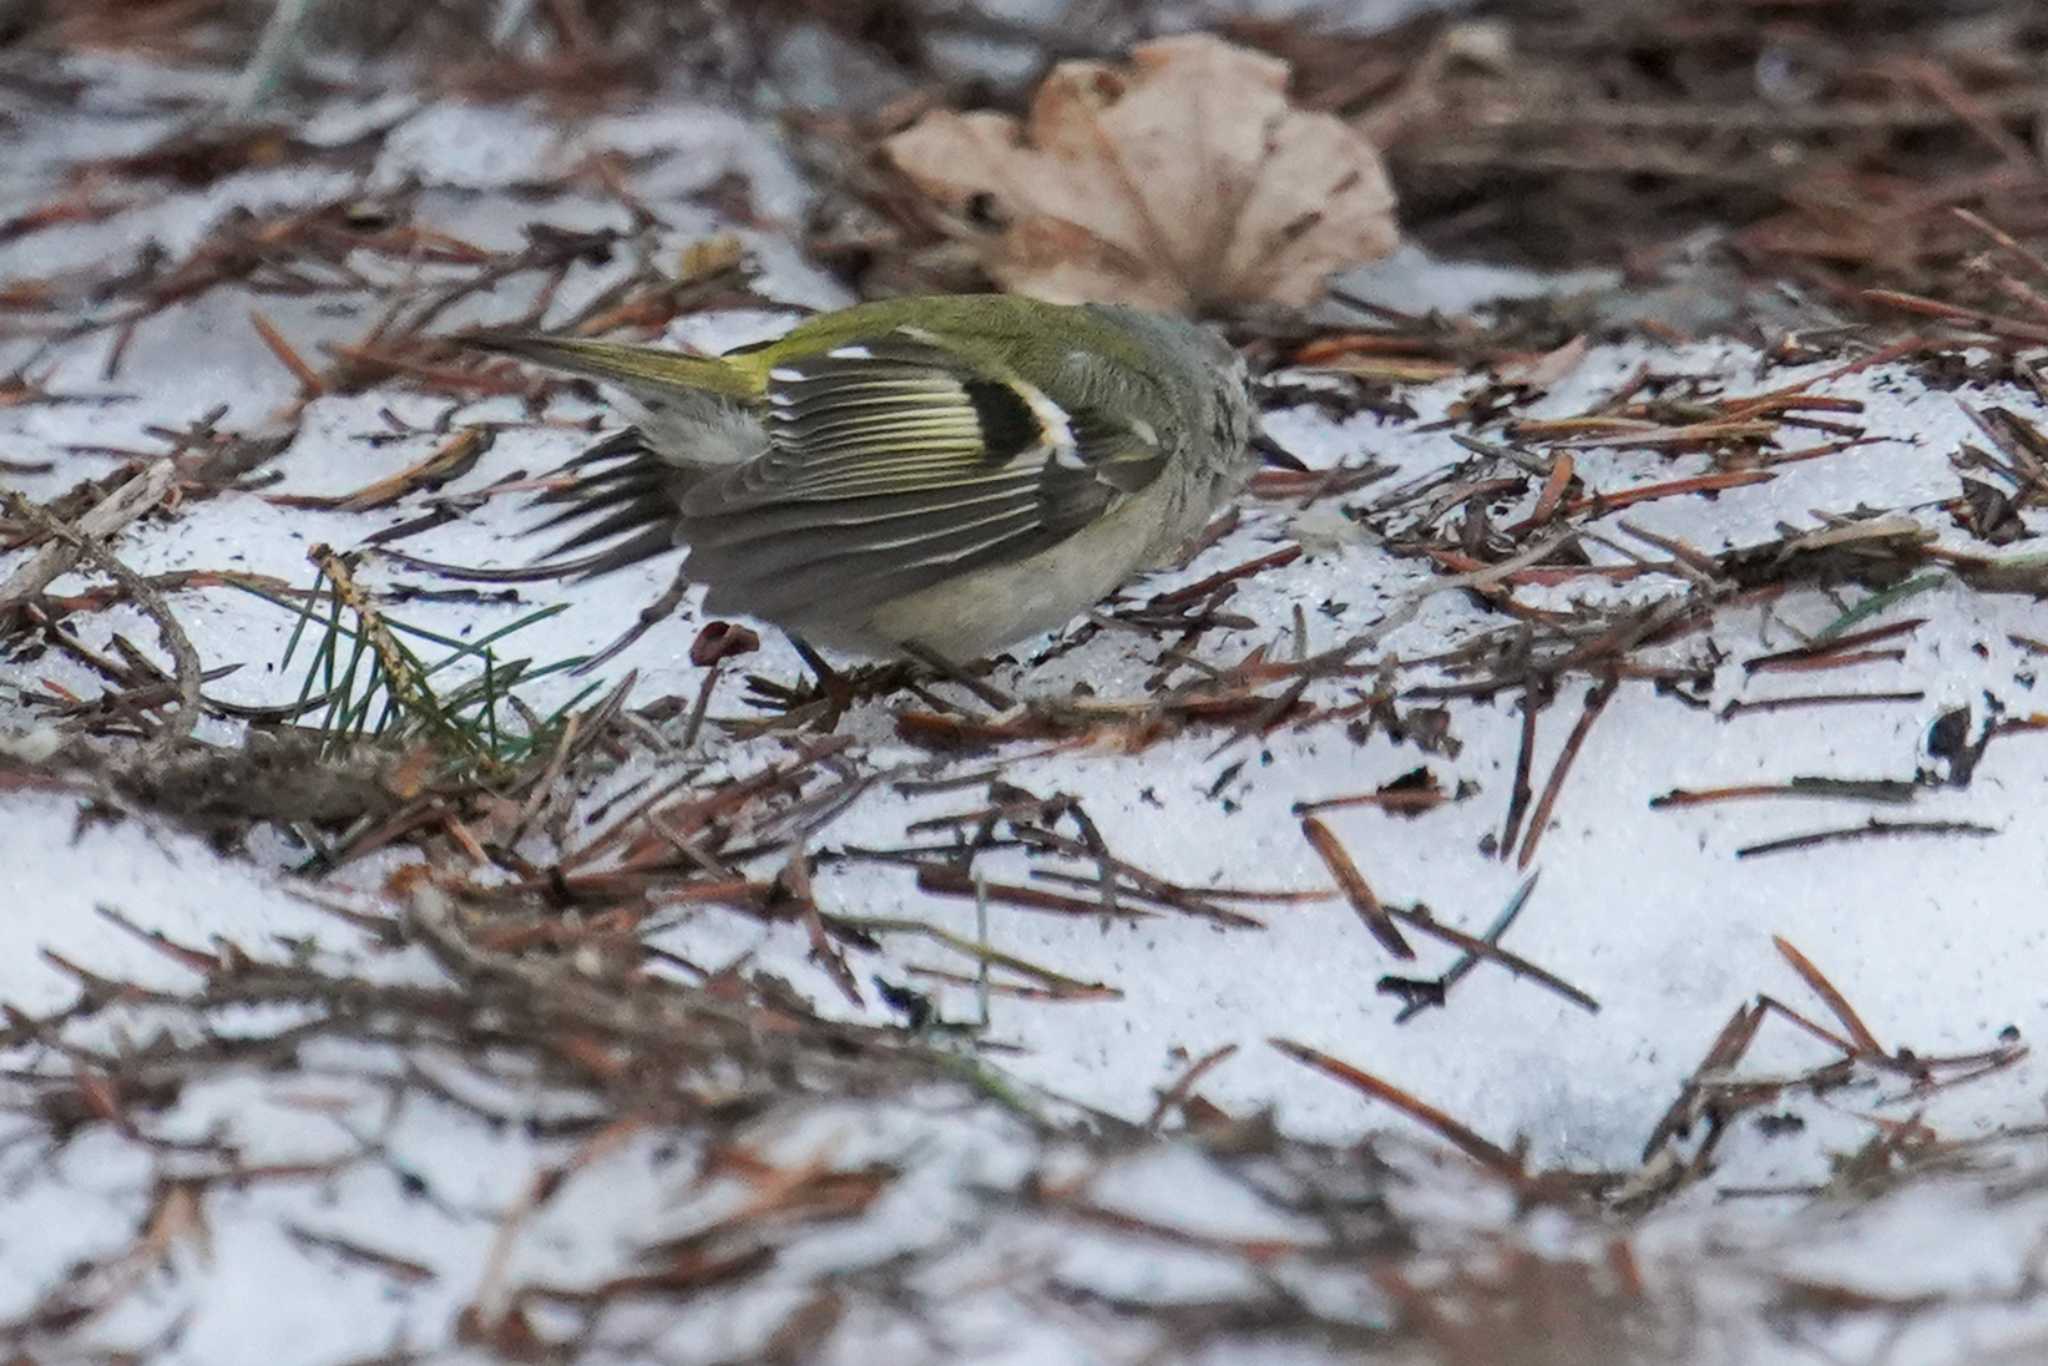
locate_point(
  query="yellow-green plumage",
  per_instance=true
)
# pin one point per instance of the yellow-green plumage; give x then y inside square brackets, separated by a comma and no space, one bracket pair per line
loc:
[1002,331]
[953,471]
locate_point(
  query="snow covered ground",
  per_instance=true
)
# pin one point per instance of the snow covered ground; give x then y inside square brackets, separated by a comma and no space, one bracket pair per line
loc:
[333,1210]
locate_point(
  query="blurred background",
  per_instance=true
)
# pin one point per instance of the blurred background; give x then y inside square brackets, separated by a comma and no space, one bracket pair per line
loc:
[1827,138]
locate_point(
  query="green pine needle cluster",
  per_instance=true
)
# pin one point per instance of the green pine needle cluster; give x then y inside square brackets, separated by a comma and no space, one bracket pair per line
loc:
[370,677]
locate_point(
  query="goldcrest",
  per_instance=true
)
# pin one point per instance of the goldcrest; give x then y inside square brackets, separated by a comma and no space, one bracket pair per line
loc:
[944,474]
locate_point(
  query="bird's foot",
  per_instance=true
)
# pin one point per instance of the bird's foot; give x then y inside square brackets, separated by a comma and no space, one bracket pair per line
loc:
[830,693]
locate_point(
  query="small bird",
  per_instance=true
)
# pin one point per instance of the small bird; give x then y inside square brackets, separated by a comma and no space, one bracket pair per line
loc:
[937,476]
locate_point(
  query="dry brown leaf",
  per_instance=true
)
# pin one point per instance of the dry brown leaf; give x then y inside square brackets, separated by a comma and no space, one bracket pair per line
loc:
[1185,183]
[1547,370]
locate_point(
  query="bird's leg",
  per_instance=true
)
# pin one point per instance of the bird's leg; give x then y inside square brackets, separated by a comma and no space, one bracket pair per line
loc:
[832,692]
[947,669]
[832,686]
[841,689]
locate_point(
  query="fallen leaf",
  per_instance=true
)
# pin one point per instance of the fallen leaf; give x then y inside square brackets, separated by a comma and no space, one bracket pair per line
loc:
[1545,371]
[722,640]
[1185,183]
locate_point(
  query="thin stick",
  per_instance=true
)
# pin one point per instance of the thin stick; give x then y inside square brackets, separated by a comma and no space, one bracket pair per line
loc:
[1356,890]
[1816,699]
[1871,830]
[1596,702]
[1486,1153]
[184,658]
[1494,953]
[1866,1042]
[106,517]
[1175,1094]
[1469,960]
[1520,793]
[987,692]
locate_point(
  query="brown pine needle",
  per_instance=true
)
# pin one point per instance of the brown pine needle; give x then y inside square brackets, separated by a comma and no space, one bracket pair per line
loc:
[1601,503]
[1184,1086]
[1834,645]
[1874,829]
[1866,1042]
[1993,323]
[1356,889]
[310,383]
[1818,699]
[953,882]
[1596,702]
[1493,953]
[1485,1152]
[1890,791]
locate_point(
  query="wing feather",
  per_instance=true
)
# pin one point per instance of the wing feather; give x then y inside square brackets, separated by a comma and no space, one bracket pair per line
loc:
[893,464]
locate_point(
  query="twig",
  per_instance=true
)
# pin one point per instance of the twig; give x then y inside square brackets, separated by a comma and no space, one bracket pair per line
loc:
[184,658]
[1831,645]
[1356,890]
[1742,707]
[1521,792]
[106,517]
[1469,960]
[1181,1088]
[1871,830]
[1866,1042]
[1494,953]
[1596,702]
[1485,1152]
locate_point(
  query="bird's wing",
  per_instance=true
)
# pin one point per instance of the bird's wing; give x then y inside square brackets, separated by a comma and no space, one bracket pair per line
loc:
[895,463]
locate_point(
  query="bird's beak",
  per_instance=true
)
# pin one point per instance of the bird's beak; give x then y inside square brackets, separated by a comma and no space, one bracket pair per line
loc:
[1273,453]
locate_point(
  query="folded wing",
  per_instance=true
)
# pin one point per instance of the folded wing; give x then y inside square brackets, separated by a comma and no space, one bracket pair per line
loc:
[895,463]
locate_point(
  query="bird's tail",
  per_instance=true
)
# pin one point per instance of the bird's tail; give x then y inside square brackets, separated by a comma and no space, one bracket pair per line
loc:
[624,494]
[625,483]
[624,491]
[651,374]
